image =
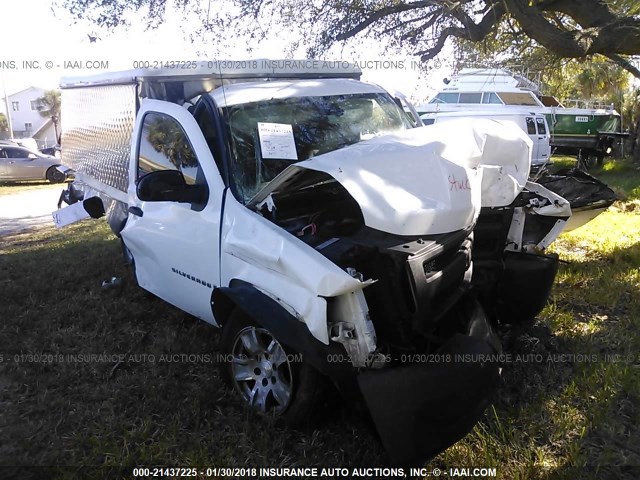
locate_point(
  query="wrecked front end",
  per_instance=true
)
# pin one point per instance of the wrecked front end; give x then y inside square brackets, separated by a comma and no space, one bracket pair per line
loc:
[406,338]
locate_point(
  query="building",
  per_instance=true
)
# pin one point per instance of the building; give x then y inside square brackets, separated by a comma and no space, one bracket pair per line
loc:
[26,120]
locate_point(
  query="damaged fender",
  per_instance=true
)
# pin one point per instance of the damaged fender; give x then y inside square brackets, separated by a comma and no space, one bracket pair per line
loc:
[294,274]
[441,400]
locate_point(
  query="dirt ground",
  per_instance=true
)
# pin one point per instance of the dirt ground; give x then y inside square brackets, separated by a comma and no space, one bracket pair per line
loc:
[28,209]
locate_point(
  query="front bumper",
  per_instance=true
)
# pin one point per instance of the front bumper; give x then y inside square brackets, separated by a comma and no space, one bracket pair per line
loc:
[423,408]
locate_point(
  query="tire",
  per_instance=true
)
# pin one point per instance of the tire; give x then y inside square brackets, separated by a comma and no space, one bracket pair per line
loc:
[55,176]
[265,374]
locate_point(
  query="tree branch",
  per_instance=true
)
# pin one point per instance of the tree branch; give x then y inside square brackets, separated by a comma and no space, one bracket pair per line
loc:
[624,63]
[588,13]
[382,13]
[431,19]
[536,26]
[617,36]
[474,32]
[428,54]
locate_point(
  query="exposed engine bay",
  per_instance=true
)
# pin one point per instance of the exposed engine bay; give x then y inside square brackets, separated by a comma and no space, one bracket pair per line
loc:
[416,281]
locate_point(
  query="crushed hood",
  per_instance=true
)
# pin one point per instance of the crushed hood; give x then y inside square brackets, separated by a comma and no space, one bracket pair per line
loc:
[426,180]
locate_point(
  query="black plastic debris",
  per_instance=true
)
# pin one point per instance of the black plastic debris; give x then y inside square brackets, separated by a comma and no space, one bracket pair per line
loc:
[114,284]
[579,188]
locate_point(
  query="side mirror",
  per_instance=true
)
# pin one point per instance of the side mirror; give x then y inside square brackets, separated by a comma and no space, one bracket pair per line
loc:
[170,186]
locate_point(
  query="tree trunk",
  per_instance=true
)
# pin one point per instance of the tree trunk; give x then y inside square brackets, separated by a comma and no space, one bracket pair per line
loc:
[635,143]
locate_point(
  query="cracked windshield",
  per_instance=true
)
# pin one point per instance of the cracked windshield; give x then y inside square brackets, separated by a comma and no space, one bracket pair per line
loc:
[268,136]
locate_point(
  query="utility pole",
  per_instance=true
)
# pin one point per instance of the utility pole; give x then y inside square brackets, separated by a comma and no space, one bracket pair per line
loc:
[6,106]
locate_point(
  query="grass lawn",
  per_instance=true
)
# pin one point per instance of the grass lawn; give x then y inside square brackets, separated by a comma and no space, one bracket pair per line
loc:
[568,407]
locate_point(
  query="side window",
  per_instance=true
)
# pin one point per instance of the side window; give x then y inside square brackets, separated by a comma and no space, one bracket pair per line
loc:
[470,98]
[445,98]
[3,154]
[17,153]
[164,146]
[542,130]
[491,98]
[531,126]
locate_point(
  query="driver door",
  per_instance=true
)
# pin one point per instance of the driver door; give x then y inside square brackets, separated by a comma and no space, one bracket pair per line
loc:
[19,166]
[175,245]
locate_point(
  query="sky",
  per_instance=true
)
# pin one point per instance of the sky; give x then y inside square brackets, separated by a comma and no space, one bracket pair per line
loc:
[42,45]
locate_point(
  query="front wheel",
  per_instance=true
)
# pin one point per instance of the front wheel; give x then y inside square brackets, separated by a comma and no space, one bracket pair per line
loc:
[269,378]
[55,176]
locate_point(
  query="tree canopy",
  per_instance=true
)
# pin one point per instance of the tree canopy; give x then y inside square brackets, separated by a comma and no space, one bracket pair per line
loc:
[565,28]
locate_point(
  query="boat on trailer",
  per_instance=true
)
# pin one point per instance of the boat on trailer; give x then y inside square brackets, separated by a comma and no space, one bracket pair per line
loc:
[587,131]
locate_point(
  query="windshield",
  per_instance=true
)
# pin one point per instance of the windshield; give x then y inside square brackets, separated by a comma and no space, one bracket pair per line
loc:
[268,136]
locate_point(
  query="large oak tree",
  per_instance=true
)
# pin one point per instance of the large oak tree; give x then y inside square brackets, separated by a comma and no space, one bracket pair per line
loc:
[545,35]
[565,28]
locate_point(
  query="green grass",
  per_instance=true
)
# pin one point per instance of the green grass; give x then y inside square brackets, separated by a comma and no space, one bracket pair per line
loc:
[141,411]
[559,418]
[622,175]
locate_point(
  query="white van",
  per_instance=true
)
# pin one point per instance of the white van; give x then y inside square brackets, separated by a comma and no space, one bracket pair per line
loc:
[534,124]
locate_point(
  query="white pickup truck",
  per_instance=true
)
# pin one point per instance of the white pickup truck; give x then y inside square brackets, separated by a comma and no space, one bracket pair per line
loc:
[301,212]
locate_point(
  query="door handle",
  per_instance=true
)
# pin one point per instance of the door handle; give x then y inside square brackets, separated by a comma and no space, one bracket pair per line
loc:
[137,211]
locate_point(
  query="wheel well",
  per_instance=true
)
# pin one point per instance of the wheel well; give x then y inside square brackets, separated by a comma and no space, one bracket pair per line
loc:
[52,173]
[290,331]
[254,303]
[222,305]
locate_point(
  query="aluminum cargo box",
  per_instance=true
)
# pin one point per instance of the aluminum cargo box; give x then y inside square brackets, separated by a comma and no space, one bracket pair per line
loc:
[98,124]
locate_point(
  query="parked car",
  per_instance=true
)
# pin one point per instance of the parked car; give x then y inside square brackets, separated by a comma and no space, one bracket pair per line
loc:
[19,163]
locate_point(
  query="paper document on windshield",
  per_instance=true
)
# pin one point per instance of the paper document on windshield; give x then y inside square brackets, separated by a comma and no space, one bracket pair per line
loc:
[276,141]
